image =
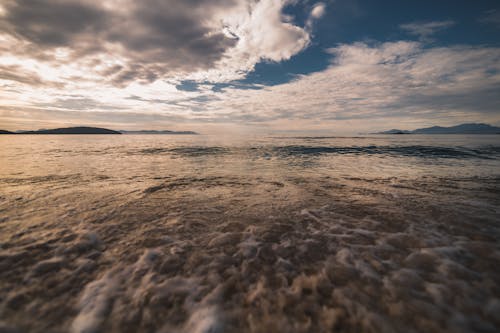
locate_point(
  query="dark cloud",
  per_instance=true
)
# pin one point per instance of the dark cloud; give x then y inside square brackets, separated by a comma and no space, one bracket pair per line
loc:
[15,73]
[153,37]
[175,33]
[18,74]
[491,17]
[136,73]
[50,23]
[108,72]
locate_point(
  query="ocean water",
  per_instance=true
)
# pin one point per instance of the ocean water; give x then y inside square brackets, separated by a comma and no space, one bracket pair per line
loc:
[153,233]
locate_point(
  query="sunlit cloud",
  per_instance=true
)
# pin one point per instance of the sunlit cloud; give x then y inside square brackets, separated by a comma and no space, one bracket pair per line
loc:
[317,12]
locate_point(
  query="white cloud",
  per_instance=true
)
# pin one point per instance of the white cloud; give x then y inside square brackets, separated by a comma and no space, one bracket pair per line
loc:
[318,10]
[368,87]
[263,33]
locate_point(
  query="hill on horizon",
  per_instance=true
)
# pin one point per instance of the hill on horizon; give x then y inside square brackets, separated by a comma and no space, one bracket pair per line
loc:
[67,130]
[96,130]
[471,128]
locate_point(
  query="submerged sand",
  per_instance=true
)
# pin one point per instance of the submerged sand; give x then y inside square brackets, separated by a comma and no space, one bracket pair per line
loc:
[223,241]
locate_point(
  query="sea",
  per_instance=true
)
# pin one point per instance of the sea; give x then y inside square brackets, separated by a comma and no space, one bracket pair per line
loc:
[269,233]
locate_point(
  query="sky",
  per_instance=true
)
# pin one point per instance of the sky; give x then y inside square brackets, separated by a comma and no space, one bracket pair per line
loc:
[249,66]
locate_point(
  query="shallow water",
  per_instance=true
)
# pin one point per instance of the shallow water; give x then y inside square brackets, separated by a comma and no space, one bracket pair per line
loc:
[139,233]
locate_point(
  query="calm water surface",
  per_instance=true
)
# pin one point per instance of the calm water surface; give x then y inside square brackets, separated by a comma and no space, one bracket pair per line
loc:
[157,233]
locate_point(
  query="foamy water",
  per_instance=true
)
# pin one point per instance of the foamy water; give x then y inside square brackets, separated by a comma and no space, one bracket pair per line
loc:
[138,233]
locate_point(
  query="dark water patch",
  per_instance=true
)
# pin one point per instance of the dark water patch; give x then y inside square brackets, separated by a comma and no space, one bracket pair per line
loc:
[204,182]
[40,179]
[82,150]
[492,150]
[60,151]
[154,151]
[186,151]
[155,188]
[321,137]
[199,151]
[406,151]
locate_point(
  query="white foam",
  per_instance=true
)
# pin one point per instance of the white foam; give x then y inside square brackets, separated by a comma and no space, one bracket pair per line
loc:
[95,304]
[203,320]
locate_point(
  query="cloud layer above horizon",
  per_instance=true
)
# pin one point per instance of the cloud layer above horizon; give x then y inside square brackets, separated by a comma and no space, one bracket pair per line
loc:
[187,63]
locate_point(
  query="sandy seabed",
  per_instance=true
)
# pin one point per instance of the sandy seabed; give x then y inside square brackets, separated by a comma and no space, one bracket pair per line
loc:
[299,250]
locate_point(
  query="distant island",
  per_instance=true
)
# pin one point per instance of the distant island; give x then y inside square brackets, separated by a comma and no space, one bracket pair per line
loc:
[159,132]
[93,130]
[67,130]
[459,129]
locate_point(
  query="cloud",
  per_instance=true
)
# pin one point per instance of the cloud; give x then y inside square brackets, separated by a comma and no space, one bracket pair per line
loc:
[76,103]
[317,12]
[263,33]
[424,30]
[366,87]
[33,118]
[148,39]
[370,86]
[51,23]
[123,61]
[17,74]
[491,17]
[125,41]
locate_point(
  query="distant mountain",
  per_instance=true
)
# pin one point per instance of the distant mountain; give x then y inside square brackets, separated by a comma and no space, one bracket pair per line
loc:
[95,130]
[160,132]
[72,130]
[459,129]
[395,131]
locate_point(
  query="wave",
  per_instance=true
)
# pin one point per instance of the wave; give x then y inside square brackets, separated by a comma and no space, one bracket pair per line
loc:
[486,152]
[187,151]
[406,151]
